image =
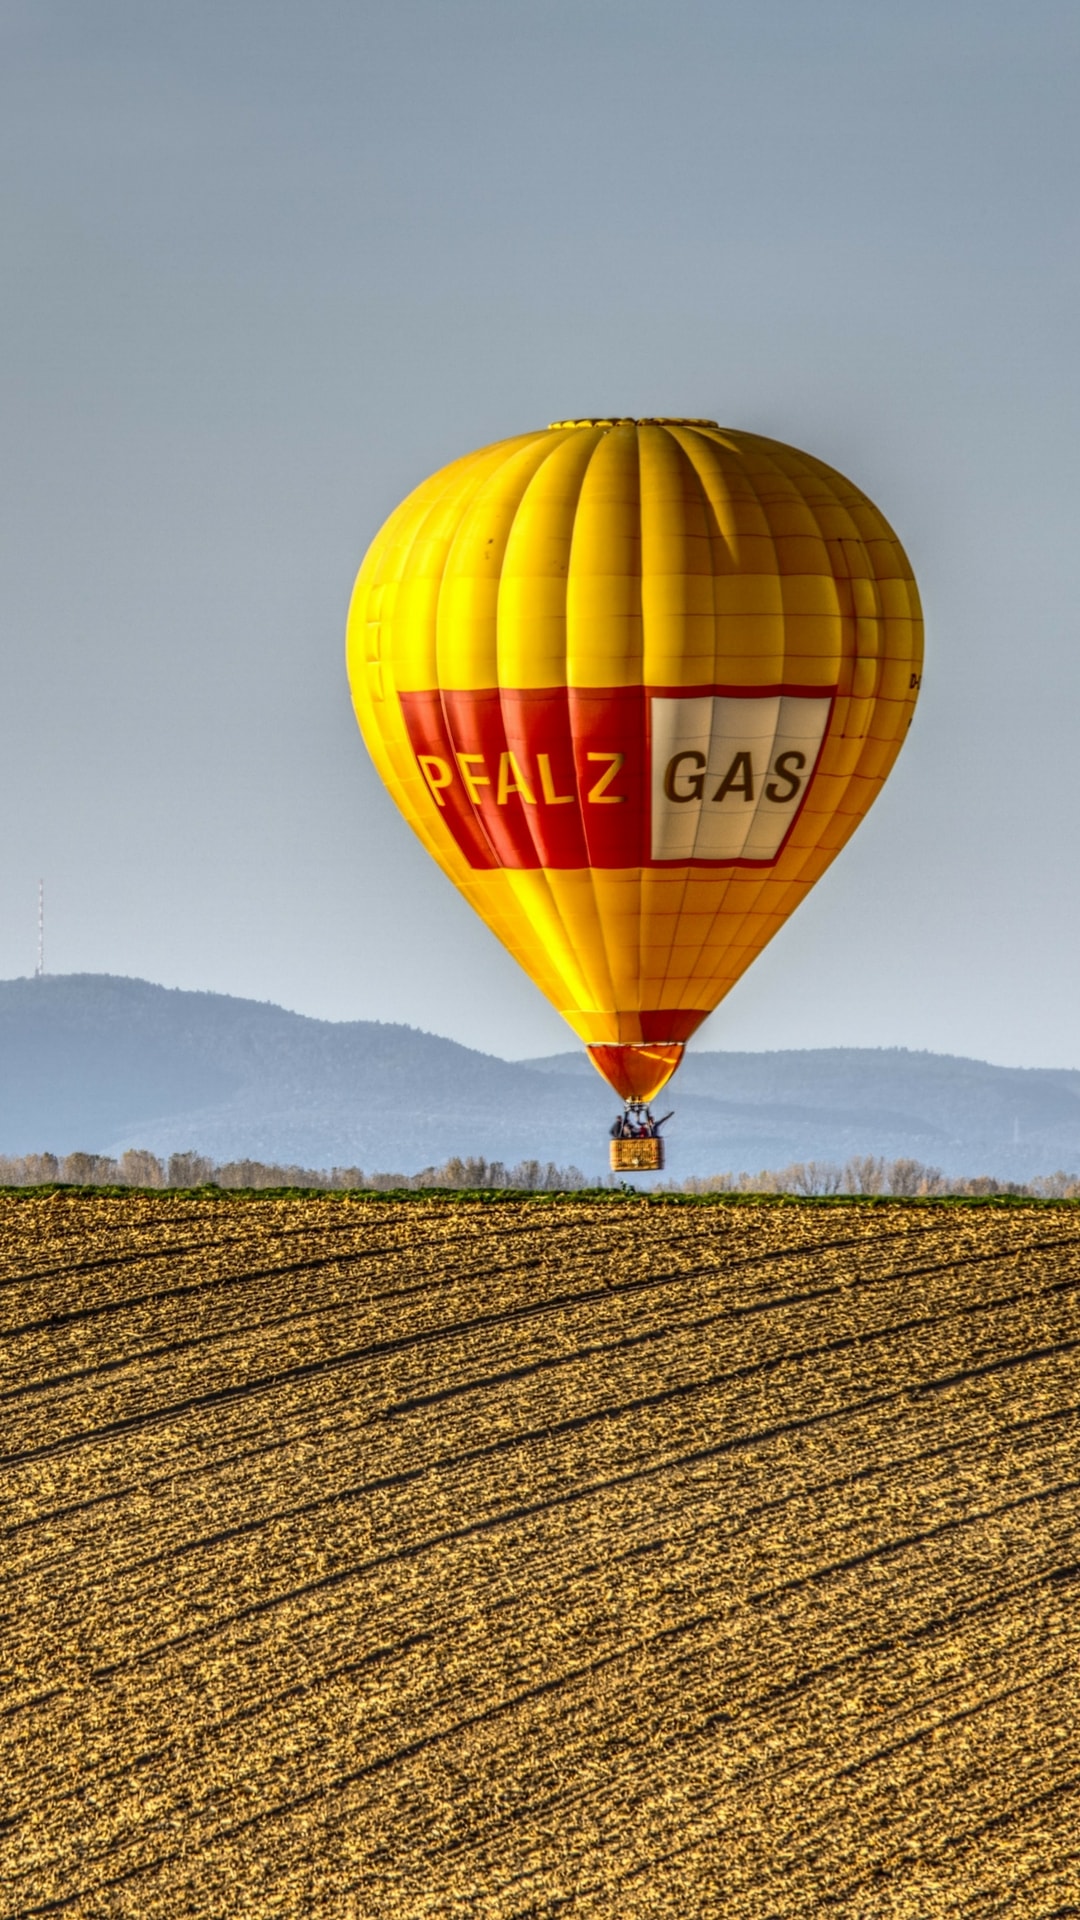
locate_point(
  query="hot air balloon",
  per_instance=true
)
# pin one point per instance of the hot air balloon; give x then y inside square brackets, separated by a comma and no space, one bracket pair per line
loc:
[634,683]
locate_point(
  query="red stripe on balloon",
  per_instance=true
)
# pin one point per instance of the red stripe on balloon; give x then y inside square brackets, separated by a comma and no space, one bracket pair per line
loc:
[553,777]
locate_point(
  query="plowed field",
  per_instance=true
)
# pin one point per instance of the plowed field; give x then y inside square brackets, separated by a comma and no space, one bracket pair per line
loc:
[539,1558]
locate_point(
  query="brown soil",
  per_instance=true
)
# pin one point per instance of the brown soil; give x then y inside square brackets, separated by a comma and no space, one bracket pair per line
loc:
[375,1559]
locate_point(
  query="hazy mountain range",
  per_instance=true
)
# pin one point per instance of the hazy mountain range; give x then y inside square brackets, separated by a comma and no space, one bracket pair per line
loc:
[93,1062]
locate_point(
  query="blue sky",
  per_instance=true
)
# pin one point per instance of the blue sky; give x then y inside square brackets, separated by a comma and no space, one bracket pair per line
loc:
[268,265]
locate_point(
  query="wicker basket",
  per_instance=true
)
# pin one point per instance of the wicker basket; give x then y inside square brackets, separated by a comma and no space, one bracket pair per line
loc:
[637,1156]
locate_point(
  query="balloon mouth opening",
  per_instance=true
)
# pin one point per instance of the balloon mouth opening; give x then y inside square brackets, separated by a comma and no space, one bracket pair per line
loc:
[637,1072]
[625,420]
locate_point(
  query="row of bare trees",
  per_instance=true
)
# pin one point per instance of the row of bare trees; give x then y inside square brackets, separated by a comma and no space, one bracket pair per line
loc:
[863,1174]
[138,1168]
[871,1174]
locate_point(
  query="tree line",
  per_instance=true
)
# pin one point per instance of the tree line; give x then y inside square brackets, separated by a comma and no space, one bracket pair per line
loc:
[873,1174]
[138,1168]
[862,1174]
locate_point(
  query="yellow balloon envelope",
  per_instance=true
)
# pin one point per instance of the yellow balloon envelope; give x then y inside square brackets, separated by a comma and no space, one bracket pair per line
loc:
[634,683]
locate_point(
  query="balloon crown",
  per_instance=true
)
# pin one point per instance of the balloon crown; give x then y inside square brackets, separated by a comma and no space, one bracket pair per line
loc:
[653,420]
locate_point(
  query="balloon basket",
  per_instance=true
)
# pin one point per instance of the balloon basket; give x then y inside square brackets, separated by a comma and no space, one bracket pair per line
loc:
[637,1156]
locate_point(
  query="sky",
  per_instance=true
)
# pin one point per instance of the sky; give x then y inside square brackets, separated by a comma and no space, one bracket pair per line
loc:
[269,265]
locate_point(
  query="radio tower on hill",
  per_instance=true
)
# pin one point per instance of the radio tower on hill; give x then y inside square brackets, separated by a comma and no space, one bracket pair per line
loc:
[39,970]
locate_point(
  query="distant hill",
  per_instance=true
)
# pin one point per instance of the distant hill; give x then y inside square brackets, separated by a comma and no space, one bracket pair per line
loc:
[93,1062]
[966,1116]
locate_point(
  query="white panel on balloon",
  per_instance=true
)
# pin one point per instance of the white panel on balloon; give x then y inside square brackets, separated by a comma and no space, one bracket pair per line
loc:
[730,774]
